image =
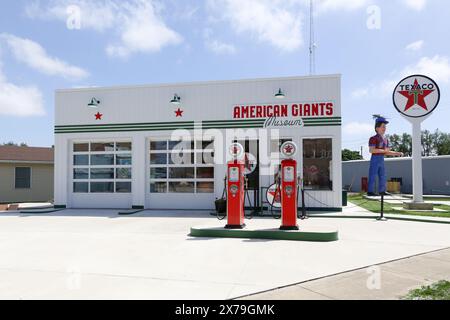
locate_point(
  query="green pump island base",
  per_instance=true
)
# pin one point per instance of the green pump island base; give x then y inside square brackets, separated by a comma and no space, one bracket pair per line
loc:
[304,234]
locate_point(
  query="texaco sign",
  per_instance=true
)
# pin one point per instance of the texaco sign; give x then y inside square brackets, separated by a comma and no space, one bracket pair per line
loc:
[416,96]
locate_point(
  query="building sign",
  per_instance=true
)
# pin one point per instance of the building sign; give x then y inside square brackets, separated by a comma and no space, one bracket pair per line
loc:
[295,110]
[416,96]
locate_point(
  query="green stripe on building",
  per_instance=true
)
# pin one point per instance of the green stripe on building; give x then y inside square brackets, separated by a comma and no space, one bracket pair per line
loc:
[187,125]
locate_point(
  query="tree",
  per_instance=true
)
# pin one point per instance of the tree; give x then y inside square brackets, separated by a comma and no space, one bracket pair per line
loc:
[433,144]
[442,143]
[13,144]
[348,155]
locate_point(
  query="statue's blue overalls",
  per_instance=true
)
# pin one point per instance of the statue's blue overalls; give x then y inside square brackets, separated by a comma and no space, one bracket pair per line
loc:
[377,164]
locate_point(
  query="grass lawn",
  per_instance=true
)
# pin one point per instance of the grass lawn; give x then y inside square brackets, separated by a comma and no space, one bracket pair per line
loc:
[437,291]
[374,206]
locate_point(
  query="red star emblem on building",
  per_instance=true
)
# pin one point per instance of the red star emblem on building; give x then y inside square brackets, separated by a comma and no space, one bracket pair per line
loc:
[179,113]
[416,96]
[98,116]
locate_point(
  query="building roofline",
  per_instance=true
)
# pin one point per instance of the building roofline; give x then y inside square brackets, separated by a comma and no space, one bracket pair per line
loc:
[25,162]
[195,83]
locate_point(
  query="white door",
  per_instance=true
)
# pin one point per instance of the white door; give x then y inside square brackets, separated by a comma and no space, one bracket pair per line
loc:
[181,174]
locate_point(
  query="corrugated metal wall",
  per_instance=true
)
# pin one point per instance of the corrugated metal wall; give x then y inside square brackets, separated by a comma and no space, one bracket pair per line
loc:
[436,174]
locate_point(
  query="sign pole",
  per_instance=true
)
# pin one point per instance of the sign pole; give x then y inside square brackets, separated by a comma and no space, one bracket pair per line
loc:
[417,162]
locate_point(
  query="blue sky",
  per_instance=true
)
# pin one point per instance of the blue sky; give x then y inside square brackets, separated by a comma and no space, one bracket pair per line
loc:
[47,45]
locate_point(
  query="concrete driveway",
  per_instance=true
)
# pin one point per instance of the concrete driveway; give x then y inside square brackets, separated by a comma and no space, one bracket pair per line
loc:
[95,254]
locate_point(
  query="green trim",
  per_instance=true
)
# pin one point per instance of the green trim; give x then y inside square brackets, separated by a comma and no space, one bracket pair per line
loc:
[371,217]
[62,206]
[40,211]
[129,212]
[138,207]
[265,234]
[323,209]
[187,125]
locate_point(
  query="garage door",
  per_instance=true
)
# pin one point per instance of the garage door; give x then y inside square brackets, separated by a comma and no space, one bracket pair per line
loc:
[181,174]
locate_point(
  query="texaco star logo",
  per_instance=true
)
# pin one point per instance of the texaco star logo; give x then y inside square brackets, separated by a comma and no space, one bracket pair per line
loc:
[416,96]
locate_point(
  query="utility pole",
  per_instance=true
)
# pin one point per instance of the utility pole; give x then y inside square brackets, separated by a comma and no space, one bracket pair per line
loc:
[312,41]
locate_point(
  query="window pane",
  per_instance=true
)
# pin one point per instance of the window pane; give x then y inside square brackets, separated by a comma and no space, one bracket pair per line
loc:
[158,145]
[181,187]
[206,157]
[158,187]
[317,160]
[158,173]
[23,178]
[102,187]
[158,158]
[123,160]
[80,187]
[205,144]
[102,173]
[181,173]
[80,147]
[205,173]
[123,187]
[80,174]
[181,145]
[181,158]
[275,145]
[81,160]
[102,160]
[123,146]
[102,147]
[123,173]
[205,187]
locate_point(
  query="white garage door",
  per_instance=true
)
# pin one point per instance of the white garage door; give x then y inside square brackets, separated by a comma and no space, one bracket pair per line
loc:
[181,174]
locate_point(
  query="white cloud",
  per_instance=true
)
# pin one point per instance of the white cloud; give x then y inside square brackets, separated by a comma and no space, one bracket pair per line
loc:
[268,21]
[35,56]
[215,45]
[437,67]
[278,23]
[332,5]
[97,15]
[137,23]
[220,47]
[415,46]
[20,101]
[360,93]
[417,5]
[358,128]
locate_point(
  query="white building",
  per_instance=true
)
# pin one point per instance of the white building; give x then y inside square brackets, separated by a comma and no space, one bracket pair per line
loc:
[113,145]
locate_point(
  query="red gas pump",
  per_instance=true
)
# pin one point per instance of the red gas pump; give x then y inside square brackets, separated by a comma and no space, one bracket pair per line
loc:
[236,189]
[289,187]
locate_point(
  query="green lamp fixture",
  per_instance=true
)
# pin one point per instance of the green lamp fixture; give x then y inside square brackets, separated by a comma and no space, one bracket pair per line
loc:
[176,100]
[94,103]
[280,94]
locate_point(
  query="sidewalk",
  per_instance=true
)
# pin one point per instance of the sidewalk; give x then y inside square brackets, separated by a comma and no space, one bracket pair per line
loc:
[396,279]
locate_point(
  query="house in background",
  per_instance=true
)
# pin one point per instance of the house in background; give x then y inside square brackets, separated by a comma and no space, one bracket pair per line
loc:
[26,174]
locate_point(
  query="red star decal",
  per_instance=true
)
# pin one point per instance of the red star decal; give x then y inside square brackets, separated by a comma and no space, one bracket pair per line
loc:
[98,116]
[179,113]
[416,96]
